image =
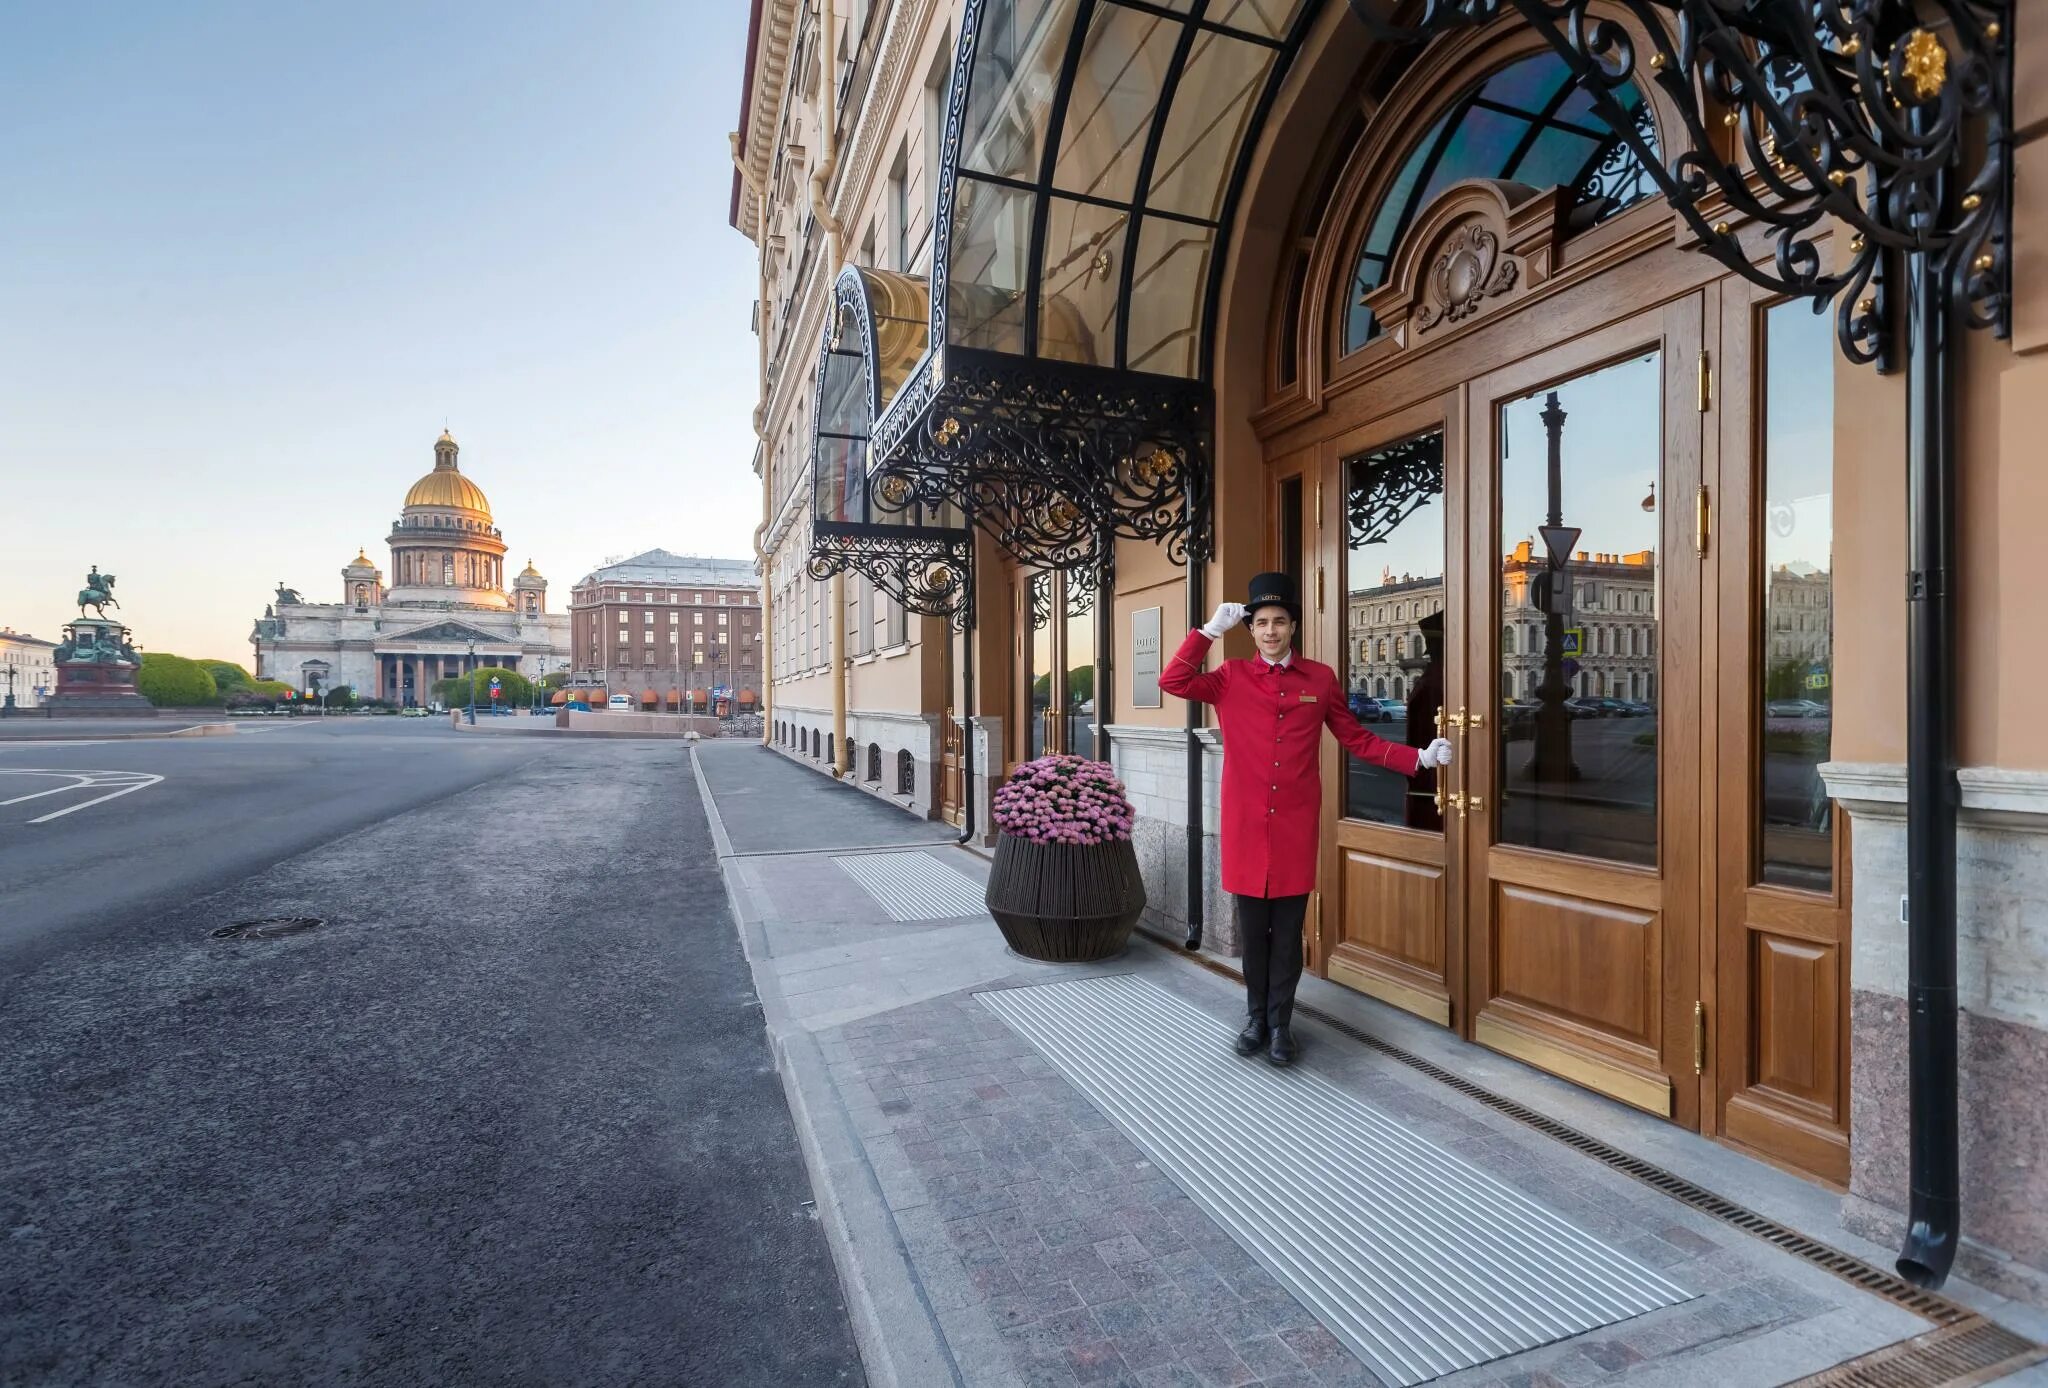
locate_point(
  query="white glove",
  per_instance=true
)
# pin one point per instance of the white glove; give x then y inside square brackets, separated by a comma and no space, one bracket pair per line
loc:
[1226,616]
[1438,753]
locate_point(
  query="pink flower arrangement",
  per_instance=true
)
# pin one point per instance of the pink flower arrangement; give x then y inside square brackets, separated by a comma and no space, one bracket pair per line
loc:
[1061,799]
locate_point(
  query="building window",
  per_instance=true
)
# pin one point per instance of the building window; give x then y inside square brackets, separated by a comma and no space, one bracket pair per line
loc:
[700,638]
[700,599]
[721,619]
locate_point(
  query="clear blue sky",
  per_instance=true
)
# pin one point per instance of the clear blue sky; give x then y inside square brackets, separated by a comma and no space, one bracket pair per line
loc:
[253,255]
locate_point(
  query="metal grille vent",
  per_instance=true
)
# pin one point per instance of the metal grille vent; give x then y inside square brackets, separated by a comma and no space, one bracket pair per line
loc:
[914,886]
[1952,1357]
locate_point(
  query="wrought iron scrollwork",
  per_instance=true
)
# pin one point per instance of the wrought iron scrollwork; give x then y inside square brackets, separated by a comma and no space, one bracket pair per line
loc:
[1800,115]
[930,576]
[1390,484]
[1055,461]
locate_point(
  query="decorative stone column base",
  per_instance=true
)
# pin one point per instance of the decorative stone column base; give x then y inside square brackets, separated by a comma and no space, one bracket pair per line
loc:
[2002,1026]
[93,690]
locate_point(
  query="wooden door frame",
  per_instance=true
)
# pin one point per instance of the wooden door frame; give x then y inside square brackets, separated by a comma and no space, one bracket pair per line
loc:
[1675,327]
[1777,1126]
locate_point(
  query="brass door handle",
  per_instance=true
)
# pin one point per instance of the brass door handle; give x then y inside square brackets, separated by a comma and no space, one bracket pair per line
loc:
[1477,803]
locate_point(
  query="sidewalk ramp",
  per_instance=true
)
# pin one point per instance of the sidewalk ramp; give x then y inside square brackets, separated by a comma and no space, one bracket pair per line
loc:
[914,886]
[1419,1262]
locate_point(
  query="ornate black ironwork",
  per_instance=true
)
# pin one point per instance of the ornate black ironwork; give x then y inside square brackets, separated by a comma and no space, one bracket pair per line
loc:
[929,576]
[1390,484]
[1802,114]
[1619,176]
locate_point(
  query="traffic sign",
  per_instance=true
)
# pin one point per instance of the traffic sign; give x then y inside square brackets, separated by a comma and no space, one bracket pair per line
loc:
[1560,540]
[1817,678]
[494,689]
[1571,669]
[1574,641]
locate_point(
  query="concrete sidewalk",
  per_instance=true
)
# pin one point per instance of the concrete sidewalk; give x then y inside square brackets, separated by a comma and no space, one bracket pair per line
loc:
[992,1226]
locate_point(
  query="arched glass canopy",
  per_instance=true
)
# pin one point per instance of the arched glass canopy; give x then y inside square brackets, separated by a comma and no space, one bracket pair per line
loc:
[1531,123]
[861,520]
[1092,156]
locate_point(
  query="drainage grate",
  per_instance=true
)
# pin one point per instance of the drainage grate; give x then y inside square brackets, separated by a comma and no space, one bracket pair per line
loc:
[914,886]
[1931,1306]
[269,928]
[1419,1262]
[1955,1356]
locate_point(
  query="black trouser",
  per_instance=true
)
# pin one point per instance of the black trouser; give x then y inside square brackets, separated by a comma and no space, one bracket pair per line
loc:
[1270,927]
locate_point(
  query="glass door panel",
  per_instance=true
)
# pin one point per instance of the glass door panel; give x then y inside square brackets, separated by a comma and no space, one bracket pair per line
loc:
[1579,464]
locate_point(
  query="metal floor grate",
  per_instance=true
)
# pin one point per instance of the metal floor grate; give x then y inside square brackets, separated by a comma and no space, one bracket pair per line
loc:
[1419,1262]
[1955,1356]
[914,886]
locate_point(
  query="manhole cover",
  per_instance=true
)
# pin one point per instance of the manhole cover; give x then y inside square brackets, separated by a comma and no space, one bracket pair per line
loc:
[269,928]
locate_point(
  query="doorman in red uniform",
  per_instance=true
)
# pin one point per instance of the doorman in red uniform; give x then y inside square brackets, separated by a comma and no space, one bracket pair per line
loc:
[1272,709]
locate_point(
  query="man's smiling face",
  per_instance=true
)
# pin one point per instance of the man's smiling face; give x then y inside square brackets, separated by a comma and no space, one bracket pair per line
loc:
[1273,632]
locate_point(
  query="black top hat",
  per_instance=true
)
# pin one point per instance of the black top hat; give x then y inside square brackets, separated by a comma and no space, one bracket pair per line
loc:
[1273,590]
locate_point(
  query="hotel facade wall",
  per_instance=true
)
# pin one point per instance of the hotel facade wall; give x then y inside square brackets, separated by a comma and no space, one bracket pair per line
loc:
[2003,662]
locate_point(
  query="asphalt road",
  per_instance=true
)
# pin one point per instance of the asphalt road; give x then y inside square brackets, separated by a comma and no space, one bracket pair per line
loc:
[506,1116]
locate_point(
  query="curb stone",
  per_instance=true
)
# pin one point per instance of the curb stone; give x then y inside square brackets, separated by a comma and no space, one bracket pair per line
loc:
[894,1324]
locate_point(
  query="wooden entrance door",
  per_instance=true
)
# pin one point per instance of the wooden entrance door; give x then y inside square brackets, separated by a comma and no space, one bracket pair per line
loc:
[1390,922]
[1580,786]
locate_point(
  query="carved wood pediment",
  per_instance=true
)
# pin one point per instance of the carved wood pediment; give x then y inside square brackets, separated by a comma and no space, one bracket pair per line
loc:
[1480,244]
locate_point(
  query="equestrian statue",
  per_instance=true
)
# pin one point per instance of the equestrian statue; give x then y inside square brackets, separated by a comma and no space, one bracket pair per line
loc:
[98,593]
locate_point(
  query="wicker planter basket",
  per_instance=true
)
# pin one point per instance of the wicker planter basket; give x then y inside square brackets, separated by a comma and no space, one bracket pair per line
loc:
[1065,903]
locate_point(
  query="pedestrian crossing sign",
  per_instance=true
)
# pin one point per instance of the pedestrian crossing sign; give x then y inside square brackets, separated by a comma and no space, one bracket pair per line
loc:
[1574,641]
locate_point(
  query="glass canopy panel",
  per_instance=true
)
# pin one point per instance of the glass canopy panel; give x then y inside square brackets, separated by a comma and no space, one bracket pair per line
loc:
[1269,19]
[839,461]
[899,306]
[1212,109]
[1017,58]
[1084,254]
[989,264]
[1167,286]
[1528,123]
[1124,60]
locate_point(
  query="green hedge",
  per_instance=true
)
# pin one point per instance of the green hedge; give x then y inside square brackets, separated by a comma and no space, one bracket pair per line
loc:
[173,681]
[228,677]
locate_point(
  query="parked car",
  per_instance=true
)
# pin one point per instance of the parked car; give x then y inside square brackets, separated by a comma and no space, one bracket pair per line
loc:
[1393,710]
[1588,707]
[1636,708]
[619,703]
[1366,709]
[1795,708]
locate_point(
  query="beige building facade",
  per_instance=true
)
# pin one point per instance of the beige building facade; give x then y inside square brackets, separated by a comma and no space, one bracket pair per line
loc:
[28,668]
[1449,353]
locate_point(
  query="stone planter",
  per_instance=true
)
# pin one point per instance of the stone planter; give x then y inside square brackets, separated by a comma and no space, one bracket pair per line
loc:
[1065,903]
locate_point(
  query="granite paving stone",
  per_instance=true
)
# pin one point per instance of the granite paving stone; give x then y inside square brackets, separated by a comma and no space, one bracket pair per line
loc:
[1087,1263]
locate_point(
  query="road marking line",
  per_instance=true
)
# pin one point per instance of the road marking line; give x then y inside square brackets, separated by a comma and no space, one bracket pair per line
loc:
[122,783]
[111,795]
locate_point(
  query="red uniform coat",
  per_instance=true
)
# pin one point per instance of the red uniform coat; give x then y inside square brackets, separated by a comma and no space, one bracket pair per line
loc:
[1272,719]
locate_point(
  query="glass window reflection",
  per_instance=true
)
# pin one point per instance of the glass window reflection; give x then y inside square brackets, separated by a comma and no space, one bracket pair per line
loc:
[1796,689]
[1577,771]
[1394,620]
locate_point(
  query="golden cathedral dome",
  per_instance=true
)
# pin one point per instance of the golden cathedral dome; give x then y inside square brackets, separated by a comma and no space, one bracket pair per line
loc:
[445,487]
[529,571]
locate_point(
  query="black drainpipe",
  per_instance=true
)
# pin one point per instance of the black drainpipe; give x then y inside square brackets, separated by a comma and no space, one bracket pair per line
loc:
[971,598]
[1931,788]
[1196,600]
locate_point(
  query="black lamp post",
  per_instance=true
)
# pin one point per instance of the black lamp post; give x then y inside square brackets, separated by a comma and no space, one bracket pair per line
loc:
[1553,755]
[471,672]
[7,708]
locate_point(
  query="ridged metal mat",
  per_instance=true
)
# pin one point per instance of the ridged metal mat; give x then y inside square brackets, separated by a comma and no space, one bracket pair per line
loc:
[914,886]
[1419,1262]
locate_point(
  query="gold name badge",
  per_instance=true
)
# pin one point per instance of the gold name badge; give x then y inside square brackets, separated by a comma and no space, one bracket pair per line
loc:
[1308,698]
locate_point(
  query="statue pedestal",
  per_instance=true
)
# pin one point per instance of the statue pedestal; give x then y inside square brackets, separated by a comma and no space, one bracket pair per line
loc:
[96,673]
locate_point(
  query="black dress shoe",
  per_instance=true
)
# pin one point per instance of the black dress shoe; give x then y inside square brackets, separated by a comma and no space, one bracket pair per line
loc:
[1253,1038]
[1281,1052]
